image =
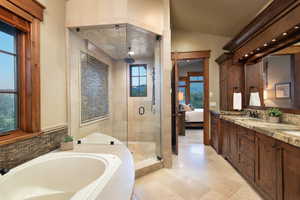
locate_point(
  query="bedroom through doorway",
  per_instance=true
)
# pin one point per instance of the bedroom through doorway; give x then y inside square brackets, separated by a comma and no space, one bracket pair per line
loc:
[190,97]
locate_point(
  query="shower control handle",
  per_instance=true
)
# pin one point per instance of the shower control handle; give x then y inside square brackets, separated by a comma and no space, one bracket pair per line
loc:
[141,110]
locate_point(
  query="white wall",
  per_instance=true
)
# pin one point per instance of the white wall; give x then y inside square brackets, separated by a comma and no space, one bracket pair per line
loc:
[143,13]
[193,41]
[53,66]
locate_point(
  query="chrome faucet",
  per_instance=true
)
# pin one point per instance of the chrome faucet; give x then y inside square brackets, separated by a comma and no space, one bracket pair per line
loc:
[253,114]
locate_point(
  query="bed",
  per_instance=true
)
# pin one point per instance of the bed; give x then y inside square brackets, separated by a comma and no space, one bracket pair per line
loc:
[194,118]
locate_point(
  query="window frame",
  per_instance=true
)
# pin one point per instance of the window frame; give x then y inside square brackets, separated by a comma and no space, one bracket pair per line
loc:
[139,76]
[191,74]
[26,17]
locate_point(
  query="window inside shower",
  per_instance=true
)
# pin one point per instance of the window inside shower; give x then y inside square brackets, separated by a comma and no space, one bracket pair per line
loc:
[133,59]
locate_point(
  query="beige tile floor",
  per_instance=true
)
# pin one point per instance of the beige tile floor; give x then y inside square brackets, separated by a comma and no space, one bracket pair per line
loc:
[198,173]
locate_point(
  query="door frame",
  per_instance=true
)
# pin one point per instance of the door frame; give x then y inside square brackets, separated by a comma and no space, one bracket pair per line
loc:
[205,55]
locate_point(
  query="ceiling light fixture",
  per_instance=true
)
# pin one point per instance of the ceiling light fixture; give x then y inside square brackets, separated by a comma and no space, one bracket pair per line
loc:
[274,40]
[251,52]
[131,52]
[265,44]
[284,34]
[296,27]
[188,61]
[246,55]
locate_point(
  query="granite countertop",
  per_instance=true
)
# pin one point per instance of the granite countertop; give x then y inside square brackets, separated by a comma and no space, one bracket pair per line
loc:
[288,133]
[223,112]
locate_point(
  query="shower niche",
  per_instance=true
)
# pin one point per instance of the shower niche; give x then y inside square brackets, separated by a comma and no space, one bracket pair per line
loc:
[133,59]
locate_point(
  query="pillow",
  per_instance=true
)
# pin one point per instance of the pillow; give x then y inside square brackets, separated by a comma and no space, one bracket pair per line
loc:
[187,108]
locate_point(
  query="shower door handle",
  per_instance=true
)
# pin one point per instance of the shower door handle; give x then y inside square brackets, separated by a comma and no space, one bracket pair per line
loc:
[141,110]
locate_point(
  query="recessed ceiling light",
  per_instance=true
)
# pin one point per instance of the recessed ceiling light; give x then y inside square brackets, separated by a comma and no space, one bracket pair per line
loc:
[296,27]
[284,34]
[274,40]
[246,55]
[265,44]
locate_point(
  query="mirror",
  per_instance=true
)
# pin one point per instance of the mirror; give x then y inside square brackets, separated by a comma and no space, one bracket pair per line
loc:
[281,78]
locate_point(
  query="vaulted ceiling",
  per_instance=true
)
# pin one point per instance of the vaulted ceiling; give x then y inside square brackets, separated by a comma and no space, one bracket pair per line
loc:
[218,17]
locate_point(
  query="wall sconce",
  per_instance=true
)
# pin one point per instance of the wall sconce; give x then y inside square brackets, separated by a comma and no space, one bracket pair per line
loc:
[180,96]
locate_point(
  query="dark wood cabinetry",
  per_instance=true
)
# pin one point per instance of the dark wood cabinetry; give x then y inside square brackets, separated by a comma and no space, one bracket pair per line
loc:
[216,136]
[231,80]
[290,172]
[246,152]
[269,165]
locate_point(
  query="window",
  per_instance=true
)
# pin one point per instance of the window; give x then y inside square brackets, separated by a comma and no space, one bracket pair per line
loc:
[20,116]
[196,89]
[191,89]
[138,80]
[8,78]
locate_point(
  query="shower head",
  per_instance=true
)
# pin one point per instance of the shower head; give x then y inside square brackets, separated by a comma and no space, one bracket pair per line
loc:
[129,60]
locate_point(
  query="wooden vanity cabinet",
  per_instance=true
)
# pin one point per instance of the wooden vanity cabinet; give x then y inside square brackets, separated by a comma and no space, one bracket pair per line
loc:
[267,165]
[270,166]
[216,136]
[290,172]
[231,80]
[246,152]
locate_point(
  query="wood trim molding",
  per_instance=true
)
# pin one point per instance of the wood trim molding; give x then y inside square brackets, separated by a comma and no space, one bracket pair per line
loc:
[33,7]
[205,55]
[29,71]
[27,9]
[190,55]
[268,16]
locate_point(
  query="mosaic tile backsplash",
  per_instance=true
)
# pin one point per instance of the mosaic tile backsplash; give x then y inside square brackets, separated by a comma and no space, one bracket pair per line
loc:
[94,88]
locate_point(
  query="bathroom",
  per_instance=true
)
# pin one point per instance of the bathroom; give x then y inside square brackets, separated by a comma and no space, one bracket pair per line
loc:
[98,100]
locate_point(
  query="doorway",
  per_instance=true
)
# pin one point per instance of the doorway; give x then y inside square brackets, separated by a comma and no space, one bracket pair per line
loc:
[190,96]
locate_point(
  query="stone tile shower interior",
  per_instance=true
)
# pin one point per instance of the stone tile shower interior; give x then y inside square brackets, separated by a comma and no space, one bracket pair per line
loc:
[121,64]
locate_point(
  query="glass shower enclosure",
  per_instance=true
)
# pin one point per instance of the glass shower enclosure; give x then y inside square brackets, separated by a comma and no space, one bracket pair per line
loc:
[134,86]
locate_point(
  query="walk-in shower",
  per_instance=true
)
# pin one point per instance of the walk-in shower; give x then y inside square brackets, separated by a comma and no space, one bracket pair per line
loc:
[131,56]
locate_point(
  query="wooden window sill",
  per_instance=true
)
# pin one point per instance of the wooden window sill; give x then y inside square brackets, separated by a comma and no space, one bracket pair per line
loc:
[15,136]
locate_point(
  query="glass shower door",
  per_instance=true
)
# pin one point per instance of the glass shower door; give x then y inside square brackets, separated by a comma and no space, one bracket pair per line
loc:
[144,112]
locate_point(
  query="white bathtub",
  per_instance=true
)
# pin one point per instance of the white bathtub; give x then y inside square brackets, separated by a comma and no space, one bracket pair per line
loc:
[60,176]
[99,138]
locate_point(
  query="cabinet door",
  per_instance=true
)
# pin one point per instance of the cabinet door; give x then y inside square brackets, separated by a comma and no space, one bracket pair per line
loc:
[291,172]
[246,153]
[215,132]
[233,146]
[225,139]
[266,166]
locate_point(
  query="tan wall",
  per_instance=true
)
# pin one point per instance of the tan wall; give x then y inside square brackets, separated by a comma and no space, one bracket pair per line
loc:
[194,41]
[76,46]
[53,66]
[143,13]
[119,101]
